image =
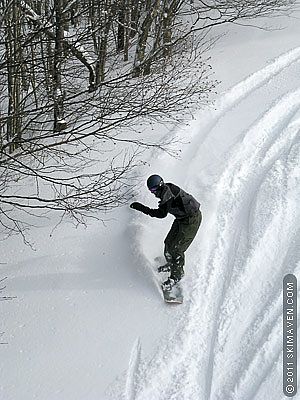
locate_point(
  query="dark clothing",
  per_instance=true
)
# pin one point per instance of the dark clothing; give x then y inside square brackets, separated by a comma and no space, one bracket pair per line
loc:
[179,238]
[175,201]
[186,211]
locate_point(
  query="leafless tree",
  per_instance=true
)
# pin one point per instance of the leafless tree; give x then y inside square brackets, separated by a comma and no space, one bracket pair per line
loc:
[77,78]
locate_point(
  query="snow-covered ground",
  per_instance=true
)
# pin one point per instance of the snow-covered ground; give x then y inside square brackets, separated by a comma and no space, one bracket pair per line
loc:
[89,322]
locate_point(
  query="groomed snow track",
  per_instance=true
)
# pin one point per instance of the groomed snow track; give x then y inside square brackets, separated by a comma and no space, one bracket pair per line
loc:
[227,344]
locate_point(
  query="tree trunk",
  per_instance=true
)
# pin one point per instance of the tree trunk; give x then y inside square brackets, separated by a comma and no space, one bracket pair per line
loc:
[128,24]
[14,62]
[139,67]
[169,13]
[59,123]
[121,26]
[106,23]
[135,16]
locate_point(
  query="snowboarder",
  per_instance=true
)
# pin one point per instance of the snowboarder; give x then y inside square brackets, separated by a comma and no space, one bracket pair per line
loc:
[186,211]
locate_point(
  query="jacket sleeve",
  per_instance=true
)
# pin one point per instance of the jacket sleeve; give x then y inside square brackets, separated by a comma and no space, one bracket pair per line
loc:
[161,211]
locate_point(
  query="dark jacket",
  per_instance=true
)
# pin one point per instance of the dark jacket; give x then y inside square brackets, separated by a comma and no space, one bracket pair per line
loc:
[175,201]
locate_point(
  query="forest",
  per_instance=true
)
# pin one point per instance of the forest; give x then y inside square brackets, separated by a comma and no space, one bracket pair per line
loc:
[79,82]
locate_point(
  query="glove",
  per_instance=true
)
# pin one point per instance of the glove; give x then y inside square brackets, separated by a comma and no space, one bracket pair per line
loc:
[139,207]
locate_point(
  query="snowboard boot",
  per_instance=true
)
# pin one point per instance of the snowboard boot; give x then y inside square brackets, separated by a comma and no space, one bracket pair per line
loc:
[164,268]
[177,272]
[169,284]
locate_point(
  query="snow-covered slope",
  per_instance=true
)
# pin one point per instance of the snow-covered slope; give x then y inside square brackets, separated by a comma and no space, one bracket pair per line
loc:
[89,322]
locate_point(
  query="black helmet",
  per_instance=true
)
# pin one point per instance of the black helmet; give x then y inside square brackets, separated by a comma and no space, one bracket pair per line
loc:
[154,182]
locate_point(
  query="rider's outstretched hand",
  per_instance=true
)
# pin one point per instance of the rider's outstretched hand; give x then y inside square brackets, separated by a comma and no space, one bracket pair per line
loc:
[139,207]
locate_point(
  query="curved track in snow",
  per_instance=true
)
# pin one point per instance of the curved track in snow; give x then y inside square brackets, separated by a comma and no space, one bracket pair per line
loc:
[227,344]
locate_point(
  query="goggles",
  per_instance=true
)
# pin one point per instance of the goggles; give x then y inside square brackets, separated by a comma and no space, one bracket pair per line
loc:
[154,189]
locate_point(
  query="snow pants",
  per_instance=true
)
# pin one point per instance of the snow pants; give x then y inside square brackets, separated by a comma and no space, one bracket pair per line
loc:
[179,238]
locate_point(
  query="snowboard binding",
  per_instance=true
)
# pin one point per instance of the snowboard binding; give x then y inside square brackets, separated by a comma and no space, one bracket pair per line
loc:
[164,268]
[168,285]
[172,291]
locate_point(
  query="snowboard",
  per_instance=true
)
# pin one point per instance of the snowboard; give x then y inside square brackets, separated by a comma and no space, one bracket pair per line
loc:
[173,296]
